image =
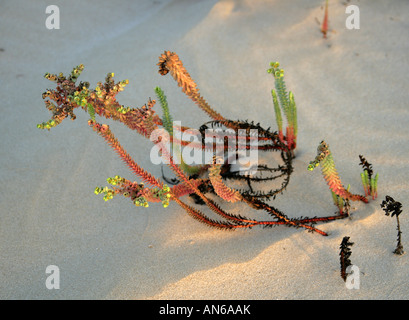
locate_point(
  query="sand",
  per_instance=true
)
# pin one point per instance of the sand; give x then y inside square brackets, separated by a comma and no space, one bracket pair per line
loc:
[350,89]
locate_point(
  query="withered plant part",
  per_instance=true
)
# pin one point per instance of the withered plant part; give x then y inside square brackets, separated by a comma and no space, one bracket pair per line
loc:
[394,208]
[206,183]
[344,255]
[267,141]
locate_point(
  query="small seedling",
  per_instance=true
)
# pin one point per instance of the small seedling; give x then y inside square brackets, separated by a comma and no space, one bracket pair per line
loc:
[394,208]
[369,182]
[324,27]
[284,100]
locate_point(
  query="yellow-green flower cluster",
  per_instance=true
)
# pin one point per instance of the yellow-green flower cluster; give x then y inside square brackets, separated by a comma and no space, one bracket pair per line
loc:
[164,195]
[322,153]
[120,86]
[75,73]
[80,97]
[123,109]
[51,77]
[115,180]
[313,164]
[278,73]
[141,202]
[102,93]
[108,193]
[98,91]
[143,195]
[47,125]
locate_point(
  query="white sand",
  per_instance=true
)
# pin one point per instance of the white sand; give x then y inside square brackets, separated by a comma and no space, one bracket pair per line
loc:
[351,90]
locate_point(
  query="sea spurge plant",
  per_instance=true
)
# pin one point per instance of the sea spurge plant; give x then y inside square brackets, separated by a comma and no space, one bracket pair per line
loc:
[205,184]
[325,159]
